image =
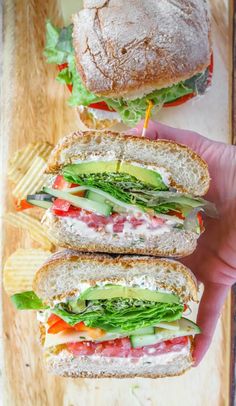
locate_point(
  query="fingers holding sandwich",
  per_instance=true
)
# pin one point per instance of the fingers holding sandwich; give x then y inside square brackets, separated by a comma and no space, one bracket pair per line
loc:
[208,314]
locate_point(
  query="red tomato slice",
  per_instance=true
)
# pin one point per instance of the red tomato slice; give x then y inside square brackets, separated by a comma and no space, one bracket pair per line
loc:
[23,205]
[187,97]
[62,205]
[176,213]
[121,348]
[72,212]
[200,220]
[101,106]
[61,183]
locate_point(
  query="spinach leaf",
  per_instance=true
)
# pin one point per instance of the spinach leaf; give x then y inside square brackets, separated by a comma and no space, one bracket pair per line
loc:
[27,301]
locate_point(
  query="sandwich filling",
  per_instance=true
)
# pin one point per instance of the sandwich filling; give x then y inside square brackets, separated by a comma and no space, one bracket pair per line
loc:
[59,50]
[117,197]
[113,320]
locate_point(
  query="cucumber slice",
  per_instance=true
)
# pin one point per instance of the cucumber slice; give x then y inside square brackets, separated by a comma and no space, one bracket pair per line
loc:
[186,328]
[143,331]
[44,204]
[99,208]
[95,197]
[40,196]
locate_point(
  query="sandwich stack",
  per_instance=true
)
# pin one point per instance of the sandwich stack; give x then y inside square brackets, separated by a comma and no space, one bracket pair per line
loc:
[118,315]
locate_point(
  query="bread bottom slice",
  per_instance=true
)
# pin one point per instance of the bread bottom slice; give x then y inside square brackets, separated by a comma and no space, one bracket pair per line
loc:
[175,243]
[66,364]
[90,121]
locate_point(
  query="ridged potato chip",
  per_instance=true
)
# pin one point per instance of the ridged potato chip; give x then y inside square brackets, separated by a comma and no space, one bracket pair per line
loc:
[20,269]
[32,225]
[26,168]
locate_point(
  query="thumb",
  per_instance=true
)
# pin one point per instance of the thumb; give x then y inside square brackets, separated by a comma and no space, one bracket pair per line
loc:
[208,314]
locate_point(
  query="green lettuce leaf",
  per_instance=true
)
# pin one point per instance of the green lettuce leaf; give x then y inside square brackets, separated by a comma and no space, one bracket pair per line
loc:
[27,301]
[59,49]
[121,314]
[132,191]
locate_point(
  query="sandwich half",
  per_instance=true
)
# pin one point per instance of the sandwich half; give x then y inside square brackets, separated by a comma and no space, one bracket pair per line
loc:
[114,193]
[110,316]
[117,55]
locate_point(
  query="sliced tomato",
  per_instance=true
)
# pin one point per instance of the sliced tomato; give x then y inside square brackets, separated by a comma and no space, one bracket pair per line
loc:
[176,213]
[187,97]
[61,183]
[59,326]
[101,106]
[62,205]
[62,66]
[23,205]
[200,220]
[72,212]
[121,348]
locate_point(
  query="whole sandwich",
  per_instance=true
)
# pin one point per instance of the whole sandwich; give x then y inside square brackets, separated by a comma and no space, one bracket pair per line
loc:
[118,55]
[104,316]
[114,193]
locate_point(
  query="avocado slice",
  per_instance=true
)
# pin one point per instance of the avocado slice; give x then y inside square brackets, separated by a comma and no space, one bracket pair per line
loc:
[85,168]
[112,291]
[186,328]
[145,175]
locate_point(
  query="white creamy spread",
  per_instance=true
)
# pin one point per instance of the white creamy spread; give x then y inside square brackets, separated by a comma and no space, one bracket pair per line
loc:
[159,359]
[80,227]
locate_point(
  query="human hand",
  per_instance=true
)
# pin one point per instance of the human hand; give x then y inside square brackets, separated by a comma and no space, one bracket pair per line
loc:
[214,261]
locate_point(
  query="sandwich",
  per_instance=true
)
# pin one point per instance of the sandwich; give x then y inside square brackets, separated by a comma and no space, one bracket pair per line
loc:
[108,192]
[116,56]
[110,316]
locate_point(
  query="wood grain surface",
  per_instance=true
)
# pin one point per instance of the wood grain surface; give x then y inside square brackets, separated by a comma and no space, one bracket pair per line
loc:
[34,107]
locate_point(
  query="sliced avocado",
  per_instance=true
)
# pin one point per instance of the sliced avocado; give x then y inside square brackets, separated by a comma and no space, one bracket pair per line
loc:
[109,292]
[77,306]
[145,175]
[187,328]
[93,167]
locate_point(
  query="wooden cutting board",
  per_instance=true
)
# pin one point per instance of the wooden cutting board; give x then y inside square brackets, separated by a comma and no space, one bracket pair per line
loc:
[34,107]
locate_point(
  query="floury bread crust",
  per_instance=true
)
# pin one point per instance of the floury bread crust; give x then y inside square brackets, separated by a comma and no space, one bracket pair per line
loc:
[188,171]
[125,48]
[63,273]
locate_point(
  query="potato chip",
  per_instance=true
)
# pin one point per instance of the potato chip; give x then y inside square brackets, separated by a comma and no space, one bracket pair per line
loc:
[21,161]
[20,269]
[31,224]
[32,181]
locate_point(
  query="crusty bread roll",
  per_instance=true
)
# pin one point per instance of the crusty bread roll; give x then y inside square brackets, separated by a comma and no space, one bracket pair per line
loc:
[64,274]
[188,172]
[130,48]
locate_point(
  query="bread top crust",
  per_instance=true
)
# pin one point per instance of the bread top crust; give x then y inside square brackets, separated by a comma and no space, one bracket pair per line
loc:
[189,172]
[126,48]
[80,267]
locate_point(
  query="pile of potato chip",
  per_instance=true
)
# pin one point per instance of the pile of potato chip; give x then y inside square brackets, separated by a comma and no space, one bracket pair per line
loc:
[26,173]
